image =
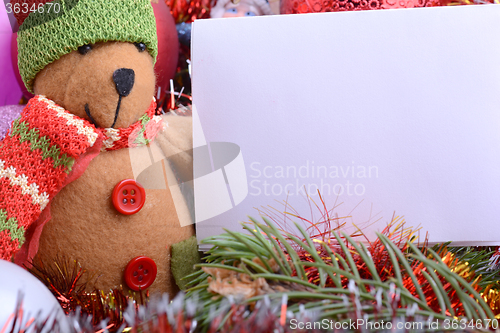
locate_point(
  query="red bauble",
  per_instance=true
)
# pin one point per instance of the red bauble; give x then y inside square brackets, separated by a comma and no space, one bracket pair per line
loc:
[316,6]
[189,10]
[168,45]
[27,95]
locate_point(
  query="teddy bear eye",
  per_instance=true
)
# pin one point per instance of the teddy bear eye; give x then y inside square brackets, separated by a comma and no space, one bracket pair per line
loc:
[140,46]
[85,49]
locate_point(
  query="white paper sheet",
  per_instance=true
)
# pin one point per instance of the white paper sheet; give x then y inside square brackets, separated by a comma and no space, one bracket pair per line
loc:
[387,112]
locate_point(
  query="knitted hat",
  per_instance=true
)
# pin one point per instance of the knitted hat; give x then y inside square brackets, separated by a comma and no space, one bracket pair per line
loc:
[62,26]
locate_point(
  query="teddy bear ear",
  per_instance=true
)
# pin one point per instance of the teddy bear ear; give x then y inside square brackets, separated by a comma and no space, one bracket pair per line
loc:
[25,8]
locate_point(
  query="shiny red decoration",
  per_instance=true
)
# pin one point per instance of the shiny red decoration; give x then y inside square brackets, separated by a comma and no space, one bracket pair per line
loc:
[317,6]
[128,197]
[168,45]
[189,10]
[140,273]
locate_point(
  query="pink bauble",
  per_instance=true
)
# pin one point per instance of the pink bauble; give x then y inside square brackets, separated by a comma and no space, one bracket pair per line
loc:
[13,54]
[10,92]
[168,45]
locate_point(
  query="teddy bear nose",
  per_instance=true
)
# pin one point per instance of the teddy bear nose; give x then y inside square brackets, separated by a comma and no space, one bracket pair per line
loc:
[124,80]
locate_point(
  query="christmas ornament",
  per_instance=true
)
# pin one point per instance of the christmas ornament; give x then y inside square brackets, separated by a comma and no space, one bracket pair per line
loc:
[25,297]
[10,92]
[189,10]
[184,33]
[7,114]
[317,6]
[168,45]
[228,8]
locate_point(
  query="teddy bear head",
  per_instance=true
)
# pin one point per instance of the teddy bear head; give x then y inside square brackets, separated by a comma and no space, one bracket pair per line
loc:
[111,84]
[93,58]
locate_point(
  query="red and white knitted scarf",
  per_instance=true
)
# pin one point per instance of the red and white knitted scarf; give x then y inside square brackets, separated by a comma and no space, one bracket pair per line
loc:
[46,148]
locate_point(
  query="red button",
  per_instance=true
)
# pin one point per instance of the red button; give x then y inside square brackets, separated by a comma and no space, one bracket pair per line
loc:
[128,197]
[140,273]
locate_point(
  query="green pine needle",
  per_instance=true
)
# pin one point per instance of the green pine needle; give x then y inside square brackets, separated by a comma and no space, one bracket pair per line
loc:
[273,256]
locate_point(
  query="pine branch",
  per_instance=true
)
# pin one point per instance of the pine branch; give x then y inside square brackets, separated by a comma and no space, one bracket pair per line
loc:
[348,283]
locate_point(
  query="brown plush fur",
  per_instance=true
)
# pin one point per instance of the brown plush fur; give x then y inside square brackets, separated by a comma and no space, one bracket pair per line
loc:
[85,225]
[75,80]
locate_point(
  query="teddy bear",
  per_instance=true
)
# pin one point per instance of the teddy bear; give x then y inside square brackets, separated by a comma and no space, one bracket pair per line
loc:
[69,185]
